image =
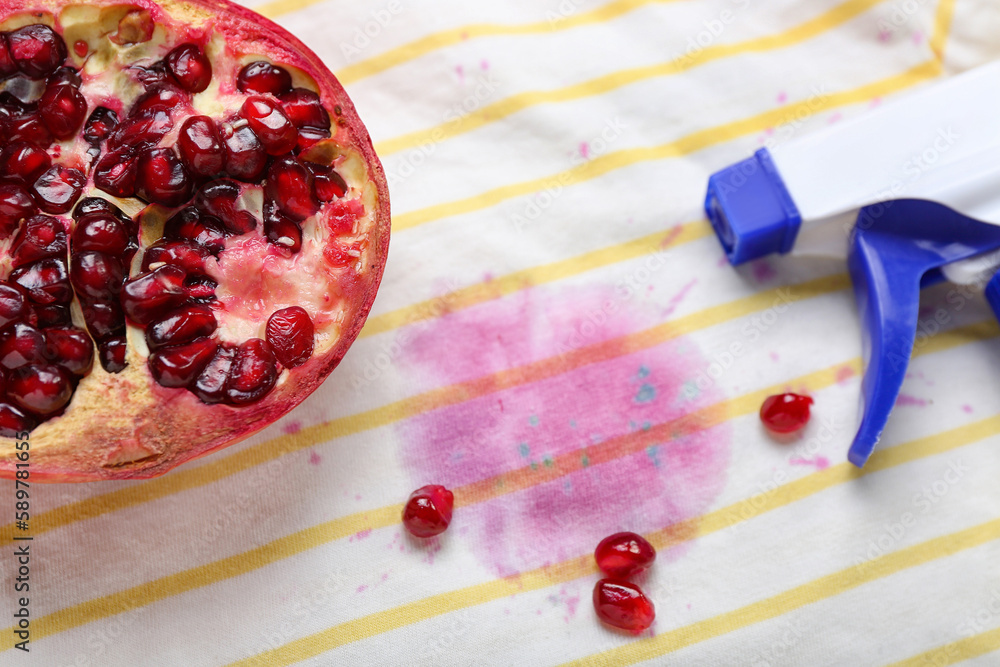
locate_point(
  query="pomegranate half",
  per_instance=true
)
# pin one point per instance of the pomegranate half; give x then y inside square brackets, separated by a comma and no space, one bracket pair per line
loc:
[193,227]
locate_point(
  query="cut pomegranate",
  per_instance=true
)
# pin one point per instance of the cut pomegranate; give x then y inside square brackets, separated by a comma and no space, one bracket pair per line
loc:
[428,511]
[624,555]
[785,413]
[623,605]
[261,228]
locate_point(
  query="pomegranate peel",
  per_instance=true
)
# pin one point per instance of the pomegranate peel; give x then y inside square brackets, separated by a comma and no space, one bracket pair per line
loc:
[143,69]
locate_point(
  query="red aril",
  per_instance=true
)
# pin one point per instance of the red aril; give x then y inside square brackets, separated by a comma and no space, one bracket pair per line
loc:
[291,335]
[201,146]
[276,132]
[63,109]
[23,162]
[428,511]
[623,605]
[624,554]
[263,77]
[190,67]
[785,413]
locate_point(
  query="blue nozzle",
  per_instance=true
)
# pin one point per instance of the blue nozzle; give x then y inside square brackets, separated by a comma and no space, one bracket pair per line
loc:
[750,209]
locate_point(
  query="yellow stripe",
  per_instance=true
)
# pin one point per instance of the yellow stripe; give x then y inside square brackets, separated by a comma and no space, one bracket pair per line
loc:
[691,143]
[536,275]
[609,82]
[316,536]
[196,476]
[443,603]
[957,651]
[820,589]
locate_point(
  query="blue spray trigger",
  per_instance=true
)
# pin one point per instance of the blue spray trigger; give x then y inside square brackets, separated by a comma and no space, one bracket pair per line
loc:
[896,248]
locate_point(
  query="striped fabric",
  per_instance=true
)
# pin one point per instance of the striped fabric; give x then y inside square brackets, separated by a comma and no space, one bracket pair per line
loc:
[559,340]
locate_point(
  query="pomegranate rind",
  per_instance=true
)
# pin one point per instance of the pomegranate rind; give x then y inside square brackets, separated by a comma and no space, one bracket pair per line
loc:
[125,426]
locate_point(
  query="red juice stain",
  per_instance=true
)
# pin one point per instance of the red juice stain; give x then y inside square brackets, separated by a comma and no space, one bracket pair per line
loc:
[518,434]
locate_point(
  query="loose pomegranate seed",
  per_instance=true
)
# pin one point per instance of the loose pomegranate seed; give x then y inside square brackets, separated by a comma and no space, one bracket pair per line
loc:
[289,185]
[100,124]
[276,132]
[219,199]
[13,306]
[71,348]
[180,366]
[46,281]
[13,421]
[246,158]
[95,275]
[181,326]
[102,233]
[428,511]
[290,333]
[263,77]
[163,98]
[624,554]
[623,605]
[64,76]
[42,389]
[189,224]
[190,67]
[52,315]
[163,179]
[188,255]
[150,295]
[81,48]
[20,345]
[210,386]
[281,230]
[112,354]
[327,184]
[201,146]
[104,319]
[39,237]
[23,162]
[63,110]
[785,413]
[304,108]
[253,373]
[15,204]
[58,188]
[37,49]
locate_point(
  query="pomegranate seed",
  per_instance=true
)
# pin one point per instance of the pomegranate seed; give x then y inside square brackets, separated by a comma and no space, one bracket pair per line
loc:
[41,236]
[64,76]
[327,184]
[15,204]
[148,296]
[181,326]
[188,255]
[104,319]
[622,604]
[281,230]
[190,67]
[289,184]
[200,289]
[163,98]
[13,421]
[71,348]
[276,132]
[37,49]
[7,64]
[181,365]
[139,132]
[162,178]
[219,199]
[46,281]
[304,109]
[253,373]
[100,206]
[28,126]
[101,232]
[81,48]
[116,173]
[13,306]
[428,511]
[190,225]
[63,110]
[263,77]
[23,162]
[201,146]
[51,316]
[290,333]
[210,386]
[245,155]
[785,413]
[309,136]
[95,275]
[20,345]
[112,354]
[100,124]
[624,554]
[58,188]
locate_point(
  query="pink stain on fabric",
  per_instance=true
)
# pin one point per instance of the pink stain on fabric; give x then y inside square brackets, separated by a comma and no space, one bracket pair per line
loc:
[907,400]
[314,458]
[820,462]
[967,409]
[782,97]
[584,150]
[763,271]
[291,428]
[647,487]
[360,535]
[844,374]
